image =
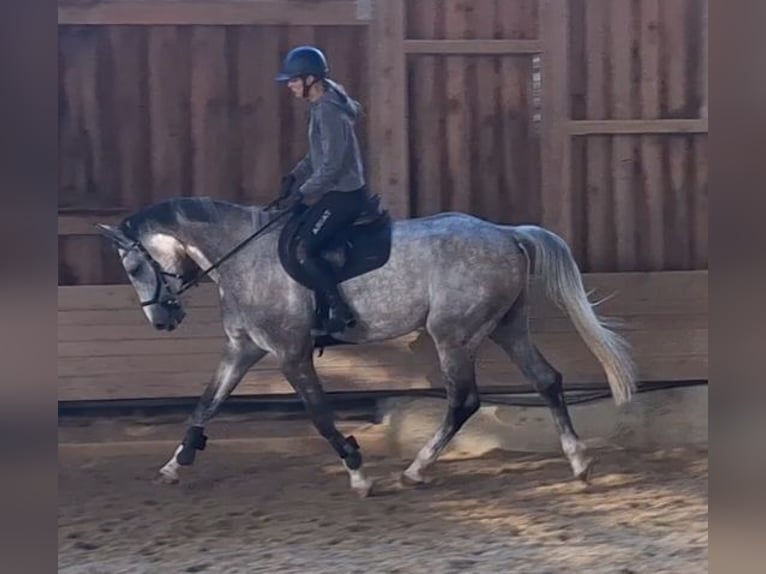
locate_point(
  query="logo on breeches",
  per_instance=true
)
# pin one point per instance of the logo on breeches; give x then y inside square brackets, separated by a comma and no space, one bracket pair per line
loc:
[320,223]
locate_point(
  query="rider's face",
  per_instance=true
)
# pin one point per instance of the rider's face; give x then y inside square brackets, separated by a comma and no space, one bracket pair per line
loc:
[296,87]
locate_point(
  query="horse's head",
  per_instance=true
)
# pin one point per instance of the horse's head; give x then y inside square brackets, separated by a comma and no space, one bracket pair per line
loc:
[157,266]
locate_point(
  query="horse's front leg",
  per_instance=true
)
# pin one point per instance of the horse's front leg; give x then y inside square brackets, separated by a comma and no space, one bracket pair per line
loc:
[302,376]
[238,356]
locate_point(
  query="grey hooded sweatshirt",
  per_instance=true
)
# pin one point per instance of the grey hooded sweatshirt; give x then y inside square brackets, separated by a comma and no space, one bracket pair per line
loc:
[334,161]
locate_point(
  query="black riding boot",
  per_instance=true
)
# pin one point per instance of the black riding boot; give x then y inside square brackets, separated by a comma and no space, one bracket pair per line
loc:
[341,315]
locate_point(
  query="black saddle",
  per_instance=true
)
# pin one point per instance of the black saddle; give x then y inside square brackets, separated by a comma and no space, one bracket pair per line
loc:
[361,247]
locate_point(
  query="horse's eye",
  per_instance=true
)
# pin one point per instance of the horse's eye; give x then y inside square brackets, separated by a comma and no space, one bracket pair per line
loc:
[133,271]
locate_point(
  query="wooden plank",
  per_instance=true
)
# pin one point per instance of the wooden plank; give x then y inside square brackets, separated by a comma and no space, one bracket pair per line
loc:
[650,60]
[677,105]
[701,211]
[600,239]
[294,113]
[389,172]
[115,354]
[195,328]
[677,355]
[652,293]
[652,240]
[119,318]
[556,154]
[653,245]
[678,222]
[259,126]
[210,129]
[85,224]
[458,166]
[211,13]
[85,179]
[425,102]
[490,377]
[82,258]
[487,147]
[71,173]
[472,47]
[675,47]
[622,91]
[169,111]
[672,126]
[578,70]
[100,297]
[510,84]
[624,215]
[630,293]
[139,329]
[703,87]
[262,383]
[127,111]
[620,31]
[420,20]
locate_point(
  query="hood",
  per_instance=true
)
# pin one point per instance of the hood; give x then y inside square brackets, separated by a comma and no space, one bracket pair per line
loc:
[336,95]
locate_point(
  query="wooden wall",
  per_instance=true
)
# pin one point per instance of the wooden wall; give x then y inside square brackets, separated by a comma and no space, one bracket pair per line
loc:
[639,193]
[589,118]
[474,141]
[107,350]
[151,112]
[586,116]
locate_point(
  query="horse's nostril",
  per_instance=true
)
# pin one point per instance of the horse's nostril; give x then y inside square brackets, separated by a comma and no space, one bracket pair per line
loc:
[160,325]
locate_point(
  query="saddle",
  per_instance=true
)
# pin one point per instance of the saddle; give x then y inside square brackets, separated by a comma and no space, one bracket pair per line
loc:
[361,247]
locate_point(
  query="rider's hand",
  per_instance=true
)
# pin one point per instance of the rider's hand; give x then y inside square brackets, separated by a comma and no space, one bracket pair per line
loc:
[286,186]
[309,200]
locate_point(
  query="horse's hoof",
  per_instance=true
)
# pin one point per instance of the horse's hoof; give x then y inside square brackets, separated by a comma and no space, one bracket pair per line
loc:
[409,481]
[584,475]
[365,490]
[165,479]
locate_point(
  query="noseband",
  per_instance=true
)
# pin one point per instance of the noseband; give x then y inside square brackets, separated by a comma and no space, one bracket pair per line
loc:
[159,279]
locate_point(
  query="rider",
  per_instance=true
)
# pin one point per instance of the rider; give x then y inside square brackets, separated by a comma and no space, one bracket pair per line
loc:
[329,179]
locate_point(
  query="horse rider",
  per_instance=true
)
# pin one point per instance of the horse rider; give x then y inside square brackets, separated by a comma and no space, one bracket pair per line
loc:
[329,181]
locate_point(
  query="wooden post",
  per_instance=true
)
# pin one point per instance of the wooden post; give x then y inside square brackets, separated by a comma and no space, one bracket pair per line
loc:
[556,153]
[388,146]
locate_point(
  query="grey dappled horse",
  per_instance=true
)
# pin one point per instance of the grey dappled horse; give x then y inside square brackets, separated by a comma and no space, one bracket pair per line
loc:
[462,278]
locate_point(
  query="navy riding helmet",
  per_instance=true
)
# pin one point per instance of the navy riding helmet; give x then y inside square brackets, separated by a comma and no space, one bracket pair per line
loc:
[303,61]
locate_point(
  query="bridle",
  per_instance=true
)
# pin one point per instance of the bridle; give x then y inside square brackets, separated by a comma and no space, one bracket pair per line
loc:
[192,278]
[160,279]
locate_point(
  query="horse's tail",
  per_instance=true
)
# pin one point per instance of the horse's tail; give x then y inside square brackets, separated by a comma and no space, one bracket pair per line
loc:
[552,260]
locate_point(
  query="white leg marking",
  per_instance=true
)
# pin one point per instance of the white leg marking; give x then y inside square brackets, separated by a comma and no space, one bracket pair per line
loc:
[424,459]
[575,450]
[359,482]
[170,471]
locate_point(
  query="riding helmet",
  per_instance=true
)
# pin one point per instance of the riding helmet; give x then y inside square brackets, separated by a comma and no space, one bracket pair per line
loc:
[303,61]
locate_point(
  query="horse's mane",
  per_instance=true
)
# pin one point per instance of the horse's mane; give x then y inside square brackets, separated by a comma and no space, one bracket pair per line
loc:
[180,211]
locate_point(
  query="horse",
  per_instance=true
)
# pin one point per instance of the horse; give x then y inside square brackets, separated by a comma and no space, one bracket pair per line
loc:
[461,278]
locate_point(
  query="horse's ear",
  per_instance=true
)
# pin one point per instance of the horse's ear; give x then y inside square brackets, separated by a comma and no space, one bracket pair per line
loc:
[114,234]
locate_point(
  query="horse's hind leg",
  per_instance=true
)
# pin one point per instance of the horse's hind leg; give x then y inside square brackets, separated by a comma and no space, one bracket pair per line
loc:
[238,356]
[513,336]
[458,368]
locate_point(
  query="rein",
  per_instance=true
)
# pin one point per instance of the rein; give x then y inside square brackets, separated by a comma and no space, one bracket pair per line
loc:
[194,281]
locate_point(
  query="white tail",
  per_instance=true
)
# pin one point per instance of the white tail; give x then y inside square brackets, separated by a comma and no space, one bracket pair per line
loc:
[552,260]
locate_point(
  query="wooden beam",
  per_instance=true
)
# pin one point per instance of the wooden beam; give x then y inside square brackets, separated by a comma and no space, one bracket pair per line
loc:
[468,47]
[84,224]
[208,12]
[388,141]
[556,143]
[604,127]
